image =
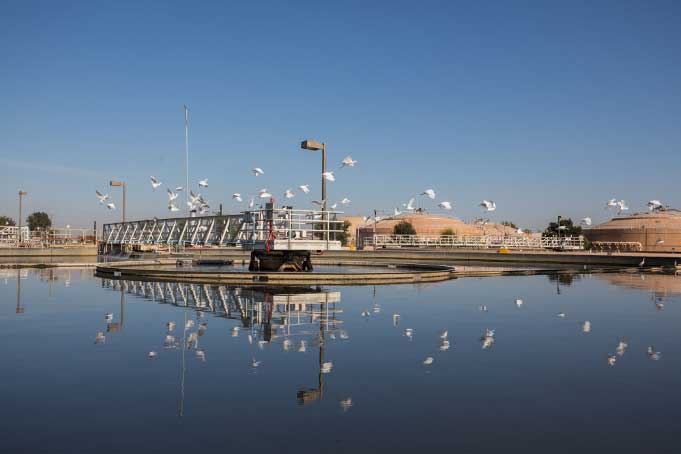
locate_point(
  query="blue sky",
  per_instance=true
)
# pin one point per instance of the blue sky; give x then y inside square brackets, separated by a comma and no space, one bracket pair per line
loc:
[547,108]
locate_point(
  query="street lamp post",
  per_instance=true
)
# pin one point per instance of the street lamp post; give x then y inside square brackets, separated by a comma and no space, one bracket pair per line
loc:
[124,186]
[313,145]
[21,196]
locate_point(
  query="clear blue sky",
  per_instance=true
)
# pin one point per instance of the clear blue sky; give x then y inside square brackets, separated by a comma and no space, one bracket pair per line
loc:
[547,108]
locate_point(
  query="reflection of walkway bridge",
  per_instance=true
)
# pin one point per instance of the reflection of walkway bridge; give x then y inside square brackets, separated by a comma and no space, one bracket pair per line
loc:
[275,311]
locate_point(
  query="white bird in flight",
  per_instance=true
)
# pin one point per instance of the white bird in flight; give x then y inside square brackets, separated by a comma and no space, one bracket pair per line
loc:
[264,194]
[348,162]
[289,194]
[328,176]
[172,195]
[111,206]
[236,196]
[396,212]
[654,205]
[173,207]
[305,188]
[488,205]
[257,171]
[429,193]
[179,189]
[203,183]
[102,197]
[612,203]
[445,205]
[586,221]
[622,205]
[410,204]
[345,201]
[251,203]
[154,182]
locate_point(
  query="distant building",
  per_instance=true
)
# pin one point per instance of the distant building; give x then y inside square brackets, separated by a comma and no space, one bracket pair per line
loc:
[431,224]
[654,231]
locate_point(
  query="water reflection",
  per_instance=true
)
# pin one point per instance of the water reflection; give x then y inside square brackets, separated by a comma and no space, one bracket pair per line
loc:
[306,316]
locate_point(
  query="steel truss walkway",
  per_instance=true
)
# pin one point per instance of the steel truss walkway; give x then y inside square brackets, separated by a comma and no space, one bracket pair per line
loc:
[268,228]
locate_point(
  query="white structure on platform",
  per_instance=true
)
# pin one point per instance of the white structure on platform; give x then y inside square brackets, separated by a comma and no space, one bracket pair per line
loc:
[9,235]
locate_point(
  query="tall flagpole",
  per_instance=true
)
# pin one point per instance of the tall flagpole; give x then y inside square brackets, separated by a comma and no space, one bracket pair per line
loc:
[186,155]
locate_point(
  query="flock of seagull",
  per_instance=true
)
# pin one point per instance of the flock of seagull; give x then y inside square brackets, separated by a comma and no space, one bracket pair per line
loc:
[198,203]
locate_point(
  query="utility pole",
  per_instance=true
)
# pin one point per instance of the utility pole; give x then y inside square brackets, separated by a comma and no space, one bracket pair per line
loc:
[186,156]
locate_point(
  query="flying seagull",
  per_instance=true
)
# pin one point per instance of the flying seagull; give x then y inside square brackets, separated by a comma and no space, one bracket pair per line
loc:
[289,194]
[111,206]
[345,201]
[171,195]
[410,204]
[328,176]
[102,197]
[264,194]
[154,182]
[429,193]
[305,188]
[612,203]
[654,205]
[173,207]
[622,206]
[445,205]
[488,205]
[257,171]
[236,196]
[348,162]
[203,183]
[586,221]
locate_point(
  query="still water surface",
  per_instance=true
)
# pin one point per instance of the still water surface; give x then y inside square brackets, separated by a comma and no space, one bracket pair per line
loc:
[544,385]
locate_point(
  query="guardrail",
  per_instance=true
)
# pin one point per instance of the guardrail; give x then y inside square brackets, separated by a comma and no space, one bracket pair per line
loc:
[475,241]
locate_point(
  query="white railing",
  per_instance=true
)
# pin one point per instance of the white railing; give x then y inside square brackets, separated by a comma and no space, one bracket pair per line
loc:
[475,241]
[44,238]
[617,246]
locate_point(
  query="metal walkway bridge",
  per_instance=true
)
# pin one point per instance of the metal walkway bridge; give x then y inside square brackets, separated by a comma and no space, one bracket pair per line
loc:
[268,228]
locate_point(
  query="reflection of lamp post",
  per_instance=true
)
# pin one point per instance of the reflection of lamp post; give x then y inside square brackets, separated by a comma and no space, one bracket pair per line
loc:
[21,196]
[122,184]
[19,310]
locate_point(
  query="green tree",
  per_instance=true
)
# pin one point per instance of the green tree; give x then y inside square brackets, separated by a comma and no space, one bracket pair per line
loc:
[344,237]
[38,220]
[566,228]
[509,224]
[6,220]
[404,228]
[447,232]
